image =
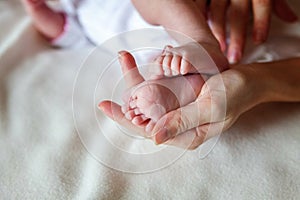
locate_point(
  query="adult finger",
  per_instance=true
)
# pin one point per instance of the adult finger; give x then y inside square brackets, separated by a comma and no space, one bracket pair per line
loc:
[262,15]
[238,17]
[181,120]
[284,11]
[217,18]
[187,140]
[130,71]
[190,139]
[193,138]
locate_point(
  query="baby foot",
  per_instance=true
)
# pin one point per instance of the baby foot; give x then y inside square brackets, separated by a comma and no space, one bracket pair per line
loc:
[189,58]
[150,100]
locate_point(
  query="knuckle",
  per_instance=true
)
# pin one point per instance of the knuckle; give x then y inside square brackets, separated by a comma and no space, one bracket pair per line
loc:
[177,123]
[261,24]
[218,110]
[219,5]
[239,10]
[198,140]
[201,132]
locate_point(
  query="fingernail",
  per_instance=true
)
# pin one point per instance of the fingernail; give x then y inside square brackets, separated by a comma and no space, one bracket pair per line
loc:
[162,136]
[122,53]
[100,106]
[234,57]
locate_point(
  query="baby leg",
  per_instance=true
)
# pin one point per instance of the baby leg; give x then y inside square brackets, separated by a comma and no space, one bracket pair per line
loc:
[46,21]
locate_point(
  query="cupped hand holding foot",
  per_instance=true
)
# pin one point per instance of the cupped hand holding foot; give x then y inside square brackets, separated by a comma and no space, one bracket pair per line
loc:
[221,100]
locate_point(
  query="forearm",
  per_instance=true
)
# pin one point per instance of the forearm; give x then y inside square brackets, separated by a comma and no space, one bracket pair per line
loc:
[180,15]
[284,80]
[276,81]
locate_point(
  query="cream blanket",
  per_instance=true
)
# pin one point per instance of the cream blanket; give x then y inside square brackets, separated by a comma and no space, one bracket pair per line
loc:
[46,154]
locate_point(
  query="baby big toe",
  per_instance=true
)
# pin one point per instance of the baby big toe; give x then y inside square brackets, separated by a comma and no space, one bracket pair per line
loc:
[175,65]
[138,120]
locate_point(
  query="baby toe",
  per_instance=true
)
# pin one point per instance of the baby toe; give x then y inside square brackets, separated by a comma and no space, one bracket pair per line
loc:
[187,67]
[184,67]
[167,64]
[167,49]
[130,115]
[159,60]
[137,111]
[175,65]
[132,104]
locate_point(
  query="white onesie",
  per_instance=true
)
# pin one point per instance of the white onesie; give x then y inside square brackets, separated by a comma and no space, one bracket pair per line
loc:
[94,21]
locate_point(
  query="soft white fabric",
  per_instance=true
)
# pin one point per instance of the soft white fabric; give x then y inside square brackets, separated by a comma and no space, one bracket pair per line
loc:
[72,35]
[97,20]
[42,156]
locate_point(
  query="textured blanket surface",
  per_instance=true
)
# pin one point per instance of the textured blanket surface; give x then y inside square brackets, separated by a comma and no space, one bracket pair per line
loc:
[53,146]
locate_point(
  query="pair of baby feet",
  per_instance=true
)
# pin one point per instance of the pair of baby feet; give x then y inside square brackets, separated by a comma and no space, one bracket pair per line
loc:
[146,101]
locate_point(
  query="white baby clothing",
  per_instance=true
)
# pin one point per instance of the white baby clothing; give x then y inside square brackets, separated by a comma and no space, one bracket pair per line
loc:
[94,21]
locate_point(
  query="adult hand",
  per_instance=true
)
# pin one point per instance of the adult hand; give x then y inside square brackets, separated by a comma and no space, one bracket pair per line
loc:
[238,15]
[133,78]
[222,99]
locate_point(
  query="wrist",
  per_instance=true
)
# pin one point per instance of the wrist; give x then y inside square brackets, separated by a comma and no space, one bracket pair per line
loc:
[261,83]
[254,86]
